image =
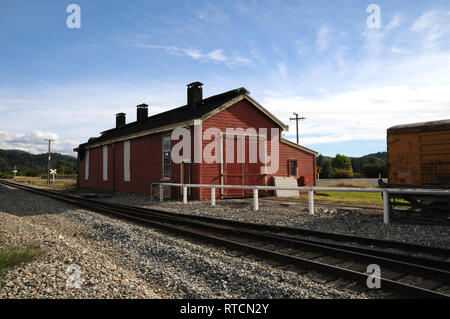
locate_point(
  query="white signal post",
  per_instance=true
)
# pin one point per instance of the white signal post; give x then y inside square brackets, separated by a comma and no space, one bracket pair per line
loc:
[53,172]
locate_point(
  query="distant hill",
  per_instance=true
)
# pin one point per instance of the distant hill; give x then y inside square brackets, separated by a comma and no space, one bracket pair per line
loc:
[376,160]
[25,161]
[380,155]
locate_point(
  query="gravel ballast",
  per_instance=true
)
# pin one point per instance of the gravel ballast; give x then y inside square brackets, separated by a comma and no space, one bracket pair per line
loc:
[366,222]
[119,259]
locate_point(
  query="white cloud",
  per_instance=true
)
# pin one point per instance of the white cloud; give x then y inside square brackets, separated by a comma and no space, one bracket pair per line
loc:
[428,20]
[362,114]
[434,28]
[323,37]
[397,50]
[301,46]
[210,13]
[282,69]
[87,110]
[36,142]
[216,56]
[375,37]
[394,23]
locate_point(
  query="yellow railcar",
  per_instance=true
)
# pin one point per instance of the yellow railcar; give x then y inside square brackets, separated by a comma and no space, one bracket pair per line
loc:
[419,157]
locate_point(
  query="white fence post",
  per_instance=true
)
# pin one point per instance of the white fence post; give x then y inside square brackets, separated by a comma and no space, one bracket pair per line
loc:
[255,199]
[213,196]
[311,201]
[161,192]
[184,194]
[386,207]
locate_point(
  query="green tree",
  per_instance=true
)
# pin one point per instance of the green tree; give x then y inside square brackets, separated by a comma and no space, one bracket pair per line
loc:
[327,168]
[373,166]
[342,162]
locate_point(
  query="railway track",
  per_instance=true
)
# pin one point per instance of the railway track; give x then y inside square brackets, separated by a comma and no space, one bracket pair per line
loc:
[410,270]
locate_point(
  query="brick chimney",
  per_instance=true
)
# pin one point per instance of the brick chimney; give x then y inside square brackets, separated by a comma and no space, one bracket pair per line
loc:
[120,119]
[194,94]
[142,112]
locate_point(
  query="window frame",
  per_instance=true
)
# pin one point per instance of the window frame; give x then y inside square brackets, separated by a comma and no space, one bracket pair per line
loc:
[169,174]
[290,161]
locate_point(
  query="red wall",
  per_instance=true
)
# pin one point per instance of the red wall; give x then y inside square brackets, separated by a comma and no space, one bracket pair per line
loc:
[145,166]
[245,115]
[146,157]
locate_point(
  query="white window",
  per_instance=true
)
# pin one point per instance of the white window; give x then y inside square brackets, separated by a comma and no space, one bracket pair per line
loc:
[86,166]
[126,161]
[105,163]
[166,148]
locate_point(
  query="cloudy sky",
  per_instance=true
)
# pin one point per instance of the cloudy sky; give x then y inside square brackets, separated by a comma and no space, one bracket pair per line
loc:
[317,58]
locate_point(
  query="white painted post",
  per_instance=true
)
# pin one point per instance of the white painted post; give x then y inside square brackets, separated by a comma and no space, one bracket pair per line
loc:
[386,207]
[255,199]
[184,194]
[161,193]
[213,196]
[311,201]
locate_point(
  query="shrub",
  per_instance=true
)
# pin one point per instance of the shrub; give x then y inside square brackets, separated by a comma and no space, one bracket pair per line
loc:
[342,173]
[6,174]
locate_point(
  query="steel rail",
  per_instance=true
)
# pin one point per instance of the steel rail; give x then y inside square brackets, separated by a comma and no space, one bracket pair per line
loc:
[118,210]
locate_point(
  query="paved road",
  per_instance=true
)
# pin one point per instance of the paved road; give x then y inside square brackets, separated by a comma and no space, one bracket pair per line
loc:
[367,181]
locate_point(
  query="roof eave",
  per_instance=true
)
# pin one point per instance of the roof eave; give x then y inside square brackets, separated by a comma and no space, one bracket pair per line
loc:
[285,141]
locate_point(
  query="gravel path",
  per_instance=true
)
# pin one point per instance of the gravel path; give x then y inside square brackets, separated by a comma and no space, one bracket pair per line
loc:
[119,259]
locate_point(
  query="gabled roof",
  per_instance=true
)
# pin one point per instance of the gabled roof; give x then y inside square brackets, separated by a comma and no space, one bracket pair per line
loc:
[180,116]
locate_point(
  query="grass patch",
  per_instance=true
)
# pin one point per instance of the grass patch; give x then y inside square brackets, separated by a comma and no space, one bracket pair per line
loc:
[13,255]
[349,198]
[19,178]
[56,185]
[373,199]
[352,185]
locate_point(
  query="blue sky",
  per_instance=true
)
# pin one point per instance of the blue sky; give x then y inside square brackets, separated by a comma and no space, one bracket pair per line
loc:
[316,58]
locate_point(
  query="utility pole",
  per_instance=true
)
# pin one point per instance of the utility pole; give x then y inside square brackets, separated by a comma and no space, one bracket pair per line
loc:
[49,159]
[296,119]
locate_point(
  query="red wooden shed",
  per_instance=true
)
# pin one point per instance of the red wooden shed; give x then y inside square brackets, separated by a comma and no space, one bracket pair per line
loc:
[130,157]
